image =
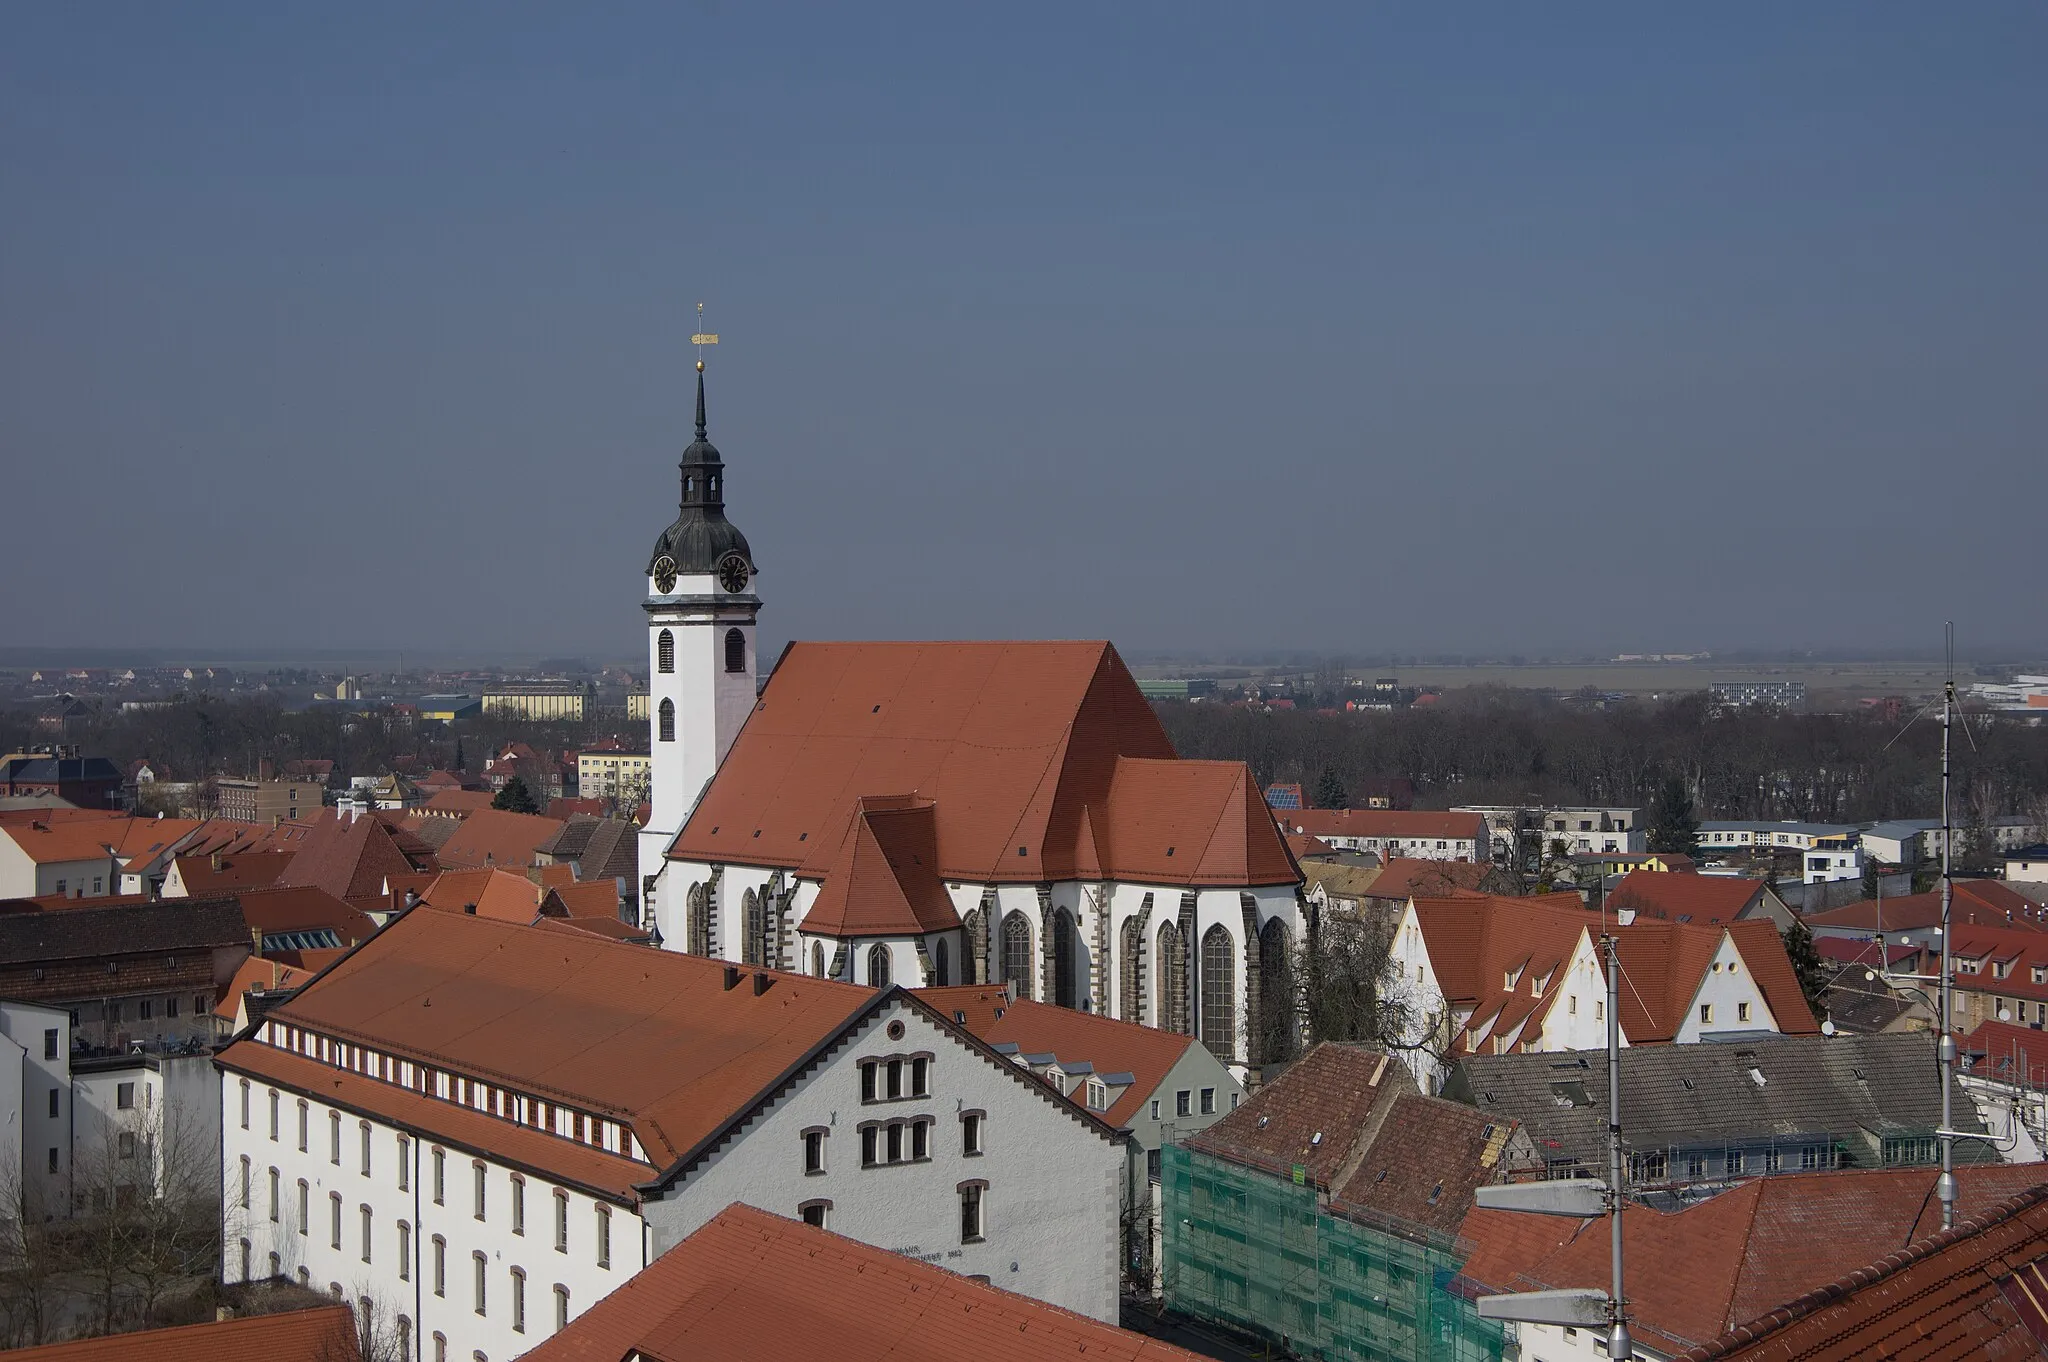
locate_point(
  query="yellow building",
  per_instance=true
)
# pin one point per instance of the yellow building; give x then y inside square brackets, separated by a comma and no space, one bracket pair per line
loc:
[614,775]
[540,702]
[636,706]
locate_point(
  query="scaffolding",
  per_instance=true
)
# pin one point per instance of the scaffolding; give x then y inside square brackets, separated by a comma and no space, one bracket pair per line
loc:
[1267,1256]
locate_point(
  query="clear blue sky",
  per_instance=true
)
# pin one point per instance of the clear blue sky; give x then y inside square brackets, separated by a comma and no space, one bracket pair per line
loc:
[1357,329]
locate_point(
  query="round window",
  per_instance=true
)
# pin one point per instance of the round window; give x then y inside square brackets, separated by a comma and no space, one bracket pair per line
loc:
[895,1030]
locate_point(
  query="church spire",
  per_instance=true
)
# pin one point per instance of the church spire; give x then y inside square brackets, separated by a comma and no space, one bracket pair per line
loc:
[700,400]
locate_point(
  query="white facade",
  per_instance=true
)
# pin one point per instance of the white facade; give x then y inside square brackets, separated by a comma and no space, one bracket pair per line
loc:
[1046,1179]
[24,877]
[1105,976]
[1584,829]
[1828,864]
[697,701]
[1728,999]
[36,1108]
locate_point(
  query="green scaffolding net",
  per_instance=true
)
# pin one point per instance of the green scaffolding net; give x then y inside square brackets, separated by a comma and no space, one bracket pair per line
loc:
[1257,1253]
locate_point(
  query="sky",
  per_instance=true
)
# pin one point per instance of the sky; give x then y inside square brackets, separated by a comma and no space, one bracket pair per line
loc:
[1354,329]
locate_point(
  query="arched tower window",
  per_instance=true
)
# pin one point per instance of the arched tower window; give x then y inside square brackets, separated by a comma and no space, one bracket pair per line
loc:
[1219,993]
[1017,960]
[1172,970]
[1278,1032]
[665,651]
[668,721]
[1130,983]
[878,966]
[751,923]
[697,929]
[818,959]
[735,651]
[940,970]
[1063,959]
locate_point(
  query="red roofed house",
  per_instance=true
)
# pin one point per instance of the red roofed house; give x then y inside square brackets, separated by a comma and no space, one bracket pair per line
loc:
[496,838]
[1156,1086]
[1708,900]
[529,1115]
[753,1287]
[944,813]
[1489,975]
[1417,835]
[1735,1257]
[323,1333]
[351,858]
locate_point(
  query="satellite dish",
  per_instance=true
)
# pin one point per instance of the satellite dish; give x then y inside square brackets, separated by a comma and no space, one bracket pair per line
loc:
[1827,1028]
[2005,1014]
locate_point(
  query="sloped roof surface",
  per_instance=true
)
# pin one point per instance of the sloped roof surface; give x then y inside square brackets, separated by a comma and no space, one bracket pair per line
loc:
[1978,903]
[161,925]
[1018,746]
[752,1287]
[247,870]
[1811,1086]
[323,1334]
[350,857]
[1700,899]
[1405,877]
[884,881]
[1317,1115]
[1763,951]
[1476,942]
[301,908]
[1417,823]
[495,837]
[1426,1161]
[653,1036]
[1113,1047]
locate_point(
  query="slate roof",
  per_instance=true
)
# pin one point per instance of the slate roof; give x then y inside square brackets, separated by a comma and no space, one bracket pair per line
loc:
[753,1287]
[1855,1089]
[322,1334]
[1697,1271]
[1146,1053]
[1975,1291]
[1042,761]
[130,929]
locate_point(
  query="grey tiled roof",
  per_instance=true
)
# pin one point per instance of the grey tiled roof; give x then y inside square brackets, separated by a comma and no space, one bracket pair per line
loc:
[126,929]
[1854,1089]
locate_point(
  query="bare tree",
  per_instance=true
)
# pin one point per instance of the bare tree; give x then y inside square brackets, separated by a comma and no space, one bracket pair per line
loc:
[1352,991]
[32,1262]
[146,1220]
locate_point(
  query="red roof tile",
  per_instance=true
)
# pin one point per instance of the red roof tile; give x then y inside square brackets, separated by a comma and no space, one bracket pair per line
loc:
[303,908]
[1979,903]
[752,1287]
[351,857]
[1700,899]
[1403,823]
[1316,1115]
[884,880]
[494,837]
[1041,760]
[322,1334]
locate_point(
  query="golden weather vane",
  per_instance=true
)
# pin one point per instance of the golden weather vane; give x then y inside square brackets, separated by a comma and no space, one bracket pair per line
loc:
[702,338]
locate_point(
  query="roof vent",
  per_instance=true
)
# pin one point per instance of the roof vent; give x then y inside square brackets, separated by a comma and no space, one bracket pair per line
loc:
[1263,1120]
[761,981]
[469,908]
[1316,1138]
[1756,1076]
[732,977]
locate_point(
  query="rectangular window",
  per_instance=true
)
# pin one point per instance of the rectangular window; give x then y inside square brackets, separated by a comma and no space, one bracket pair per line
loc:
[814,1213]
[124,1096]
[404,1164]
[895,1144]
[561,1307]
[440,1266]
[1155,1108]
[920,1077]
[365,1214]
[970,1213]
[363,1132]
[867,1082]
[302,1127]
[305,1209]
[245,1182]
[53,1101]
[518,1204]
[1742,1011]
[970,1132]
[1208,1101]
[1181,1103]
[404,1251]
[273,1196]
[334,1219]
[440,1177]
[478,1179]
[814,1151]
[144,1010]
[868,1140]
[334,1138]
[561,1222]
[245,1104]
[604,1236]
[920,1139]
[170,1007]
[1706,1014]
[518,1301]
[893,1087]
[50,1052]
[480,1269]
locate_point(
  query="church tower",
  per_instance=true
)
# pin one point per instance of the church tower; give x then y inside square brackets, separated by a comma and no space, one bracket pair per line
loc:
[700,609]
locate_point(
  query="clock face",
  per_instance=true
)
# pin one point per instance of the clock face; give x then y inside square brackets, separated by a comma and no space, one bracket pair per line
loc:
[664,574]
[733,573]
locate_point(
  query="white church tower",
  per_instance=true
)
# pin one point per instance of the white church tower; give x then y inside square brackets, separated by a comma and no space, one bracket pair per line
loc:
[700,648]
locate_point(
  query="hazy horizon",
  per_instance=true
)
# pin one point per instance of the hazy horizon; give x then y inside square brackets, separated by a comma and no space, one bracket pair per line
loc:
[1362,333]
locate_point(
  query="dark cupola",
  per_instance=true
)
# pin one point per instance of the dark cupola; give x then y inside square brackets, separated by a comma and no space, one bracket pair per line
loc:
[701,539]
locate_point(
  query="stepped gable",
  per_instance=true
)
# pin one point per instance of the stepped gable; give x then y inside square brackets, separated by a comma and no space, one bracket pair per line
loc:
[1041,761]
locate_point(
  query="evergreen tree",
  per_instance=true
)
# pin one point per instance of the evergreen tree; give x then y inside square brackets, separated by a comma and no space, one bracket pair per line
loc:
[459,763]
[1673,825]
[1806,963]
[1330,791]
[516,798]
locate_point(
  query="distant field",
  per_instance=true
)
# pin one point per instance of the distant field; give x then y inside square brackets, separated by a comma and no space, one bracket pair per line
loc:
[1636,678]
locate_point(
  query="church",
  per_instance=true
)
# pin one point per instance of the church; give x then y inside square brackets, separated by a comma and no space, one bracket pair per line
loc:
[1005,813]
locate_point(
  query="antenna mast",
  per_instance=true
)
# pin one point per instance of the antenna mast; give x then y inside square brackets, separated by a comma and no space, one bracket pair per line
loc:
[1945,1049]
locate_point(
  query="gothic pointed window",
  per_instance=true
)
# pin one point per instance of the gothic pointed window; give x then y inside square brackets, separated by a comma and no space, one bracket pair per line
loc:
[1130,995]
[1063,962]
[665,651]
[697,928]
[1172,971]
[1017,961]
[1219,993]
[818,959]
[1278,1031]
[751,916]
[942,976]
[668,721]
[735,651]
[878,966]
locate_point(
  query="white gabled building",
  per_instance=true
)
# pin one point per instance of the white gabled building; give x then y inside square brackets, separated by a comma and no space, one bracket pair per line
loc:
[485,1127]
[947,813]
